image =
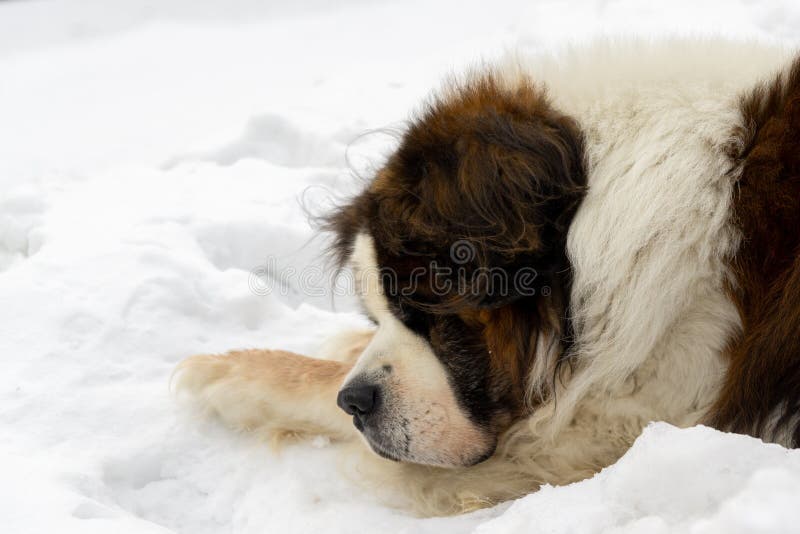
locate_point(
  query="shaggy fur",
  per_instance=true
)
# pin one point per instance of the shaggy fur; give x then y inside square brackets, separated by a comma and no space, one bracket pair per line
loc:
[761,395]
[654,189]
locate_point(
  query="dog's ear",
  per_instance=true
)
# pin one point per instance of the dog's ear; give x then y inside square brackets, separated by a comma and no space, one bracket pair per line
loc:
[490,174]
[488,178]
[344,223]
[492,164]
[520,178]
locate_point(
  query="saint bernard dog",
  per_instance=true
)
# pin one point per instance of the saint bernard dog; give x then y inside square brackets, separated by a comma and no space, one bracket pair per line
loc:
[560,250]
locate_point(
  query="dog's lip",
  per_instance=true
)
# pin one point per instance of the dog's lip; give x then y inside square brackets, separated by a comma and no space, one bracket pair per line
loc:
[386,455]
[375,443]
[358,423]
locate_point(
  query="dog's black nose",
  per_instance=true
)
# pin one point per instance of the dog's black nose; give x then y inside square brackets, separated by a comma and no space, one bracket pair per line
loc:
[358,400]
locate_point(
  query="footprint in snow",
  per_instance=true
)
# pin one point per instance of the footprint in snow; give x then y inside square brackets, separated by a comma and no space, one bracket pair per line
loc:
[20,218]
[274,139]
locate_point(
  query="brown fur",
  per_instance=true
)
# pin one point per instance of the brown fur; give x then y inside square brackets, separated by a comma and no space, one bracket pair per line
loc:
[763,381]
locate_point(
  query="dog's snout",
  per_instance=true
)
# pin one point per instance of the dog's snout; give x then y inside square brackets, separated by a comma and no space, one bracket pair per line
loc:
[358,400]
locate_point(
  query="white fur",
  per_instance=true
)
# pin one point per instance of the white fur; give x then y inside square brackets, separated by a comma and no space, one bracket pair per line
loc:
[649,243]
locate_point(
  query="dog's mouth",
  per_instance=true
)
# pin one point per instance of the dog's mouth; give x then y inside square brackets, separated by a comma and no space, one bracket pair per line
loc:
[396,443]
[421,430]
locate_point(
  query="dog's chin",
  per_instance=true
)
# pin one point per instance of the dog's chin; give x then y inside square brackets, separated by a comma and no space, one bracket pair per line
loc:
[402,451]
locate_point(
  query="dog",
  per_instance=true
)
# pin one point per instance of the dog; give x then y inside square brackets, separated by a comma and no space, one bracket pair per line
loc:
[560,250]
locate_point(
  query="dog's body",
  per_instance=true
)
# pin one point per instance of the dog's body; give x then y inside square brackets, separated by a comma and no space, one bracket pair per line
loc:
[655,189]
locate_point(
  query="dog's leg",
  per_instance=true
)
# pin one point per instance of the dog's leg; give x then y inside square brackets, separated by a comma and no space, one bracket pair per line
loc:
[274,392]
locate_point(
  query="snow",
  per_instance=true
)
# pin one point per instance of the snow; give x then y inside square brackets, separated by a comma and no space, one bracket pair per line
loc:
[695,480]
[155,154]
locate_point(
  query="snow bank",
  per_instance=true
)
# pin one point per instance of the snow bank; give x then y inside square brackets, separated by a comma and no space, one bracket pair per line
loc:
[152,155]
[694,480]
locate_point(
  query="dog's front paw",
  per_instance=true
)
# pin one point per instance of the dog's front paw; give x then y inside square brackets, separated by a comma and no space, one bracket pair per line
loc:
[195,375]
[268,391]
[234,387]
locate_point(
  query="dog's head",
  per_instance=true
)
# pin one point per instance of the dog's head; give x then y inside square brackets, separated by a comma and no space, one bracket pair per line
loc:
[458,251]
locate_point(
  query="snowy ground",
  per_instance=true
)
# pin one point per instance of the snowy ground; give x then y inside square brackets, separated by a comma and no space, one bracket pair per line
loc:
[152,155]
